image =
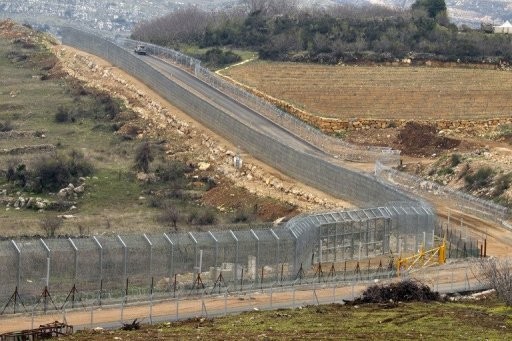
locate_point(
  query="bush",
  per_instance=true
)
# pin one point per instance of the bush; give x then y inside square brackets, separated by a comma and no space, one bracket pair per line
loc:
[50,224]
[497,274]
[62,115]
[501,184]
[78,166]
[242,216]
[455,160]
[143,157]
[217,58]
[6,126]
[445,171]
[171,171]
[53,173]
[480,179]
[206,217]
[170,216]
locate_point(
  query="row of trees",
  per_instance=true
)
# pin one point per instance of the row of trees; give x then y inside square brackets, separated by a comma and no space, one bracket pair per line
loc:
[279,30]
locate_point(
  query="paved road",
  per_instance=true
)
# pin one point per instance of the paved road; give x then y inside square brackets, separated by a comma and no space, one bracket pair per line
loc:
[232,107]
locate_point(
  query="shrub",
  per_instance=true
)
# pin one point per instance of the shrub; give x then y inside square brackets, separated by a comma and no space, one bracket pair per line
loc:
[480,179]
[497,274]
[241,216]
[206,217]
[445,171]
[62,115]
[50,224]
[78,166]
[6,126]
[170,216]
[501,184]
[53,173]
[143,157]
[171,171]
[455,160]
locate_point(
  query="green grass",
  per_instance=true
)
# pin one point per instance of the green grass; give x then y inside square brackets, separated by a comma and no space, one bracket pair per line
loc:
[421,321]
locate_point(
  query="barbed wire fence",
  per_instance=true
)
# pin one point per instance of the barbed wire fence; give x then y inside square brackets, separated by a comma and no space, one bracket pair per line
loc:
[431,190]
[336,147]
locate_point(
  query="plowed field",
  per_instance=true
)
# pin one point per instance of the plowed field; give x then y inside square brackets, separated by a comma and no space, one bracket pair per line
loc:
[402,92]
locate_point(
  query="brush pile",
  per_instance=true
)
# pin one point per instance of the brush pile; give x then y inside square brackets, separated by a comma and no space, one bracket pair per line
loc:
[403,291]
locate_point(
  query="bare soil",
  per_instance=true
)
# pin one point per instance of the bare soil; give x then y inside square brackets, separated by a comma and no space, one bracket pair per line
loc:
[406,92]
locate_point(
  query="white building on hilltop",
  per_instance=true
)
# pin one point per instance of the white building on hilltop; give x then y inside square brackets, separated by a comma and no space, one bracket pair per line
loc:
[505,28]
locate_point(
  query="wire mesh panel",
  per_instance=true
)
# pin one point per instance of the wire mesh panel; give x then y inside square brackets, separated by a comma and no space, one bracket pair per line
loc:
[63,270]
[9,269]
[138,259]
[89,264]
[34,267]
[113,264]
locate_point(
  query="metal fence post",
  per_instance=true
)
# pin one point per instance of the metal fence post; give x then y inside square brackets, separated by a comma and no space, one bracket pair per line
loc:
[257,253]
[236,254]
[216,248]
[100,248]
[75,250]
[125,257]
[18,267]
[171,263]
[48,259]
[277,254]
[150,244]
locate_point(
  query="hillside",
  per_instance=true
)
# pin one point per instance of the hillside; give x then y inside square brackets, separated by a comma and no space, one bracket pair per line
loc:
[81,108]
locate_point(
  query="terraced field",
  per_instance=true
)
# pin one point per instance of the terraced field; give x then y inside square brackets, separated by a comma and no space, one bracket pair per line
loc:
[383,92]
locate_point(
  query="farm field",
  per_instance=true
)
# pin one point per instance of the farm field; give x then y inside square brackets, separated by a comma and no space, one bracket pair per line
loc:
[393,92]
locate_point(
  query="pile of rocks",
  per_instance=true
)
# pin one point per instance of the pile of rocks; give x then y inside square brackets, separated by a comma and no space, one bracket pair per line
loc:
[30,202]
[71,192]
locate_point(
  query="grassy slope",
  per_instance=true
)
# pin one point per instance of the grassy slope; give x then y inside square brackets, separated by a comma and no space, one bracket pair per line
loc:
[432,321]
[33,108]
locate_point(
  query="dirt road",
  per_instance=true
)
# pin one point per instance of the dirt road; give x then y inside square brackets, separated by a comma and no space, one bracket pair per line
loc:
[453,276]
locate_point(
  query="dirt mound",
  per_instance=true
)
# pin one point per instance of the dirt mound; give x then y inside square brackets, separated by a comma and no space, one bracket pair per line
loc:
[418,139]
[404,291]
[227,197]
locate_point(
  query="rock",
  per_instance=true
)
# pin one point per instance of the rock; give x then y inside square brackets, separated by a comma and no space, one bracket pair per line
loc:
[79,189]
[203,166]
[63,193]
[71,186]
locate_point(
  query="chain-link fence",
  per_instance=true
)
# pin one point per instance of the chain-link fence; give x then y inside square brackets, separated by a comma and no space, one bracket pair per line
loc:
[108,268]
[431,190]
[331,145]
[270,143]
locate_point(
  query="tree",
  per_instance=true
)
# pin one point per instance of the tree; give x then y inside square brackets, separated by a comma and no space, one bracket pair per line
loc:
[434,8]
[143,157]
[497,274]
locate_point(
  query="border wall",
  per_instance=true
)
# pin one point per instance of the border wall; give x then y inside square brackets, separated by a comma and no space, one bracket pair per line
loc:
[109,264]
[362,189]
